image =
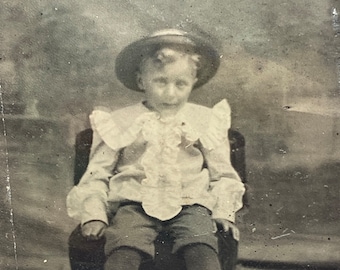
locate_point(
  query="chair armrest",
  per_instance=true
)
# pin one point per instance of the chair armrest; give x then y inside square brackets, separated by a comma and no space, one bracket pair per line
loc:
[82,153]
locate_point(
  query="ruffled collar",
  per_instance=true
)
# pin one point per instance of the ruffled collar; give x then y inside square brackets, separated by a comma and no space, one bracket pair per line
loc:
[121,128]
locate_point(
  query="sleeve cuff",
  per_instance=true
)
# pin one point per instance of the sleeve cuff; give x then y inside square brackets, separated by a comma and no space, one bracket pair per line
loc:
[94,209]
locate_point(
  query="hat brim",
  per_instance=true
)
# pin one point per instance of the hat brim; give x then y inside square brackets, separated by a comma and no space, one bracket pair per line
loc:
[129,59]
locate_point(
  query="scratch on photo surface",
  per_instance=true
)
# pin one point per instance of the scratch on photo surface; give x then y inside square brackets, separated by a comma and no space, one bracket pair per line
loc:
[8,182]
[280,236]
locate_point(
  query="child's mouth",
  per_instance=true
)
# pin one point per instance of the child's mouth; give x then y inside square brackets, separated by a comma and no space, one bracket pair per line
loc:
[169,105]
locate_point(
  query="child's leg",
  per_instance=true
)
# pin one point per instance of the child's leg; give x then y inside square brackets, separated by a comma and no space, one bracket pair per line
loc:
[124,259]
[195,239]
[200,257]
[130,238]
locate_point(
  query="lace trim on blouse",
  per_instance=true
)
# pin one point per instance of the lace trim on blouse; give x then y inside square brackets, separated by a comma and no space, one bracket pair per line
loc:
[161,188]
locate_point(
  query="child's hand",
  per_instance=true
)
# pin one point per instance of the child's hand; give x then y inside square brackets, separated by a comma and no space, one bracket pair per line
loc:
[228,225]
[93,230]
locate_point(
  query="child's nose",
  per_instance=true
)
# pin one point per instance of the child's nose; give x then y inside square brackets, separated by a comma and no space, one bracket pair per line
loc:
[170,91]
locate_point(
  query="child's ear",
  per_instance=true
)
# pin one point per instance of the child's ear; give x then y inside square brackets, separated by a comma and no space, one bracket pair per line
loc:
[140,81]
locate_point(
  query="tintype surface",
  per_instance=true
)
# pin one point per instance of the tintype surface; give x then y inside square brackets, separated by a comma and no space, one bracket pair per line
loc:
[279,71]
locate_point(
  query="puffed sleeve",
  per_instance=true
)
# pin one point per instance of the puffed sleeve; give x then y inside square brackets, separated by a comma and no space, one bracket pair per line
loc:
[225,184]
[88,200]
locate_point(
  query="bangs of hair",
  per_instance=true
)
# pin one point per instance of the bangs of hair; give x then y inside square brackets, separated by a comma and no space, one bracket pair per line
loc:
[171,54]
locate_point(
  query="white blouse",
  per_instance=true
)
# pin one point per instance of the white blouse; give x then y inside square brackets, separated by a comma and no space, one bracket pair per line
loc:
[138,156]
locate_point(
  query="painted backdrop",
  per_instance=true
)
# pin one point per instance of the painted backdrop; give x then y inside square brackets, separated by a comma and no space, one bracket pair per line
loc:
[280,73]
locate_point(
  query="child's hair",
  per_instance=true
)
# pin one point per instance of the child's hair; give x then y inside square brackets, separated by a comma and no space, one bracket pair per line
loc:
[168,55]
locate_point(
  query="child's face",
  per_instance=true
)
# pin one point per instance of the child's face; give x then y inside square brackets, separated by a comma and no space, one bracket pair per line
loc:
[167,88]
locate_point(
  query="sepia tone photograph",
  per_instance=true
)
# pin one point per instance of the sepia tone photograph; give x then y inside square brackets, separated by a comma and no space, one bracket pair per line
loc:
[170,135]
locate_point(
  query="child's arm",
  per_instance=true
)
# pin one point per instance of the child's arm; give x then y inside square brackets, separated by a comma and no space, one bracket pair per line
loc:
[88,200]
[225,184]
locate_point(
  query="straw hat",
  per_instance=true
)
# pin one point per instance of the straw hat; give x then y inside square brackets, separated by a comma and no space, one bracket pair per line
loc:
[129,59]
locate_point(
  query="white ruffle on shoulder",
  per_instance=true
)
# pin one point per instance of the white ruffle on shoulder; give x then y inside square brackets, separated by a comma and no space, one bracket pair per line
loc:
[161,191]
[210,126]
[219,124]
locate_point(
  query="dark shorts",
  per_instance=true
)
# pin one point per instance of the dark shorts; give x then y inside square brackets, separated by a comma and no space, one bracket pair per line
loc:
[132,227]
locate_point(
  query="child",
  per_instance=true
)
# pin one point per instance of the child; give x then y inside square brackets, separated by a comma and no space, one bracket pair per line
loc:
[146,164]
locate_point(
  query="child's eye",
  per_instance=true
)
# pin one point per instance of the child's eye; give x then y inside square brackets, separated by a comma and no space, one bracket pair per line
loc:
[181,84]
[160,81]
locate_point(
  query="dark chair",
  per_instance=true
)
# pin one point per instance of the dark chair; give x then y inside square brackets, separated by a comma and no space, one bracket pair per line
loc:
[89,255]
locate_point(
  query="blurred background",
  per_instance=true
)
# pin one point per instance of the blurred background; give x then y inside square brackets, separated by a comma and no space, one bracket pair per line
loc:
[280,71]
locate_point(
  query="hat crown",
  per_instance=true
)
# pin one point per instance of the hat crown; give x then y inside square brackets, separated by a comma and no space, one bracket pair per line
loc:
[168,32]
